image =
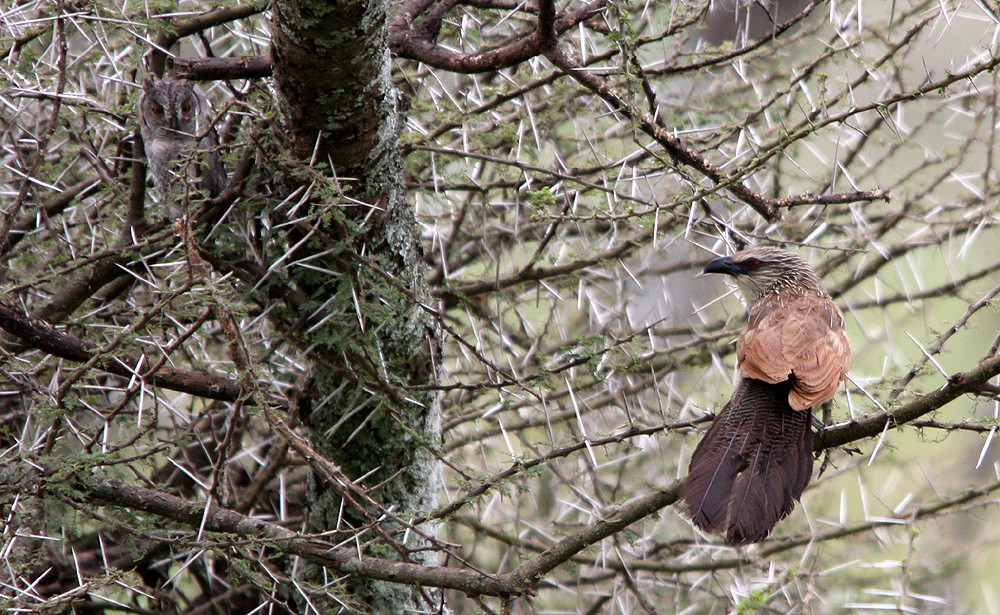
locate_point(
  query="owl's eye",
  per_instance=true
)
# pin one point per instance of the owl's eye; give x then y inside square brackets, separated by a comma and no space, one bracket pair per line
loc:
[186,108]
[157,110]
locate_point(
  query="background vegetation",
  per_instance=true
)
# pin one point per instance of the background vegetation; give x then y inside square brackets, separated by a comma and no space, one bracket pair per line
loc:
[460,366]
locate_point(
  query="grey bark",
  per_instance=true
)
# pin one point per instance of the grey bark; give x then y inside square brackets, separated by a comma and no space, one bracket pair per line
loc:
[339,107]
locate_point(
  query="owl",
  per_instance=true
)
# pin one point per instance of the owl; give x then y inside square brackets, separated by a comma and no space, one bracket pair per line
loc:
[180,141]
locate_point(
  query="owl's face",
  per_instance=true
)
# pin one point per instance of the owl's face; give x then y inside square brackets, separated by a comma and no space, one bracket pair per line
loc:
[170,108]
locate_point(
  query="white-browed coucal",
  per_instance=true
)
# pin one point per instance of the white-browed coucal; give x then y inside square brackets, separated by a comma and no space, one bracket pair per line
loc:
[756,459]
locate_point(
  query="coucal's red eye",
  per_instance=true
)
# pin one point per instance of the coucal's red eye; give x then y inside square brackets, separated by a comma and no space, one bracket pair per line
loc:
[753,263]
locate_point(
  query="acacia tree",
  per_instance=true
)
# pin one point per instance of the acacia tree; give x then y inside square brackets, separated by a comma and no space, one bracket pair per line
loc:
[248,408]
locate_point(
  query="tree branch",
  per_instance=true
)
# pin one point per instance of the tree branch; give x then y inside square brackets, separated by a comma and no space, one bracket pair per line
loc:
[192,25]
[419,45]
[39,334]
[345,560]
[521,580]
[957,385]
[217,69]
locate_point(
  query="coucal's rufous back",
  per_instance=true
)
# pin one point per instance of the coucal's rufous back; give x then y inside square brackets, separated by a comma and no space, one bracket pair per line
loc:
[756,458]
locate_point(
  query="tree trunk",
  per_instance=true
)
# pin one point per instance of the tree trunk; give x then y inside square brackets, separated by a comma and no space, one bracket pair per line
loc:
[342,112]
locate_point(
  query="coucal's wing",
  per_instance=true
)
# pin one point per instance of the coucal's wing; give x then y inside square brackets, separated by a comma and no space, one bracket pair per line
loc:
[798,336]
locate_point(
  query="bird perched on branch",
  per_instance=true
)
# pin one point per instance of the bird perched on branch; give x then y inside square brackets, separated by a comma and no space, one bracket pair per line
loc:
[181,144]
[793,353]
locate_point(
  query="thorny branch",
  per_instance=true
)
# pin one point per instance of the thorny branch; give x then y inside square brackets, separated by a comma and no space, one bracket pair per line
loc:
[522,579]
[44,337]
[581,349]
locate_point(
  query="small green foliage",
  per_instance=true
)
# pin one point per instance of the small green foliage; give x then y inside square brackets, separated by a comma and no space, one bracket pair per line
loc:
[591,349]
[541,199]
[752,603]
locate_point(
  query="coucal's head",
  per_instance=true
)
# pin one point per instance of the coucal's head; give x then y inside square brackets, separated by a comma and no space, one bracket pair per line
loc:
[759,271]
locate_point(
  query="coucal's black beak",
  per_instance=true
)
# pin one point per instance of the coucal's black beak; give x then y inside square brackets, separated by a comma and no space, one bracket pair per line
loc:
[723,264]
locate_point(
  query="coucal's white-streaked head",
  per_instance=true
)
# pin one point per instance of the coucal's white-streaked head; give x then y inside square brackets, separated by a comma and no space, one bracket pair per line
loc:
[760,271]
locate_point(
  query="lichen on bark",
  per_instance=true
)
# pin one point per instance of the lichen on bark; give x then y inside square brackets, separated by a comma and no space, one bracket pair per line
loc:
[342,113]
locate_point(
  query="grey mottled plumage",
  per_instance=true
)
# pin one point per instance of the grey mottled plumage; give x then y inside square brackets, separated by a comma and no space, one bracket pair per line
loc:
[179,140]
[756,458]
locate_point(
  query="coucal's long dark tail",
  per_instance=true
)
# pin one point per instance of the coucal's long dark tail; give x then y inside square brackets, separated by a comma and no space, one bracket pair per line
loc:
[751,466]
